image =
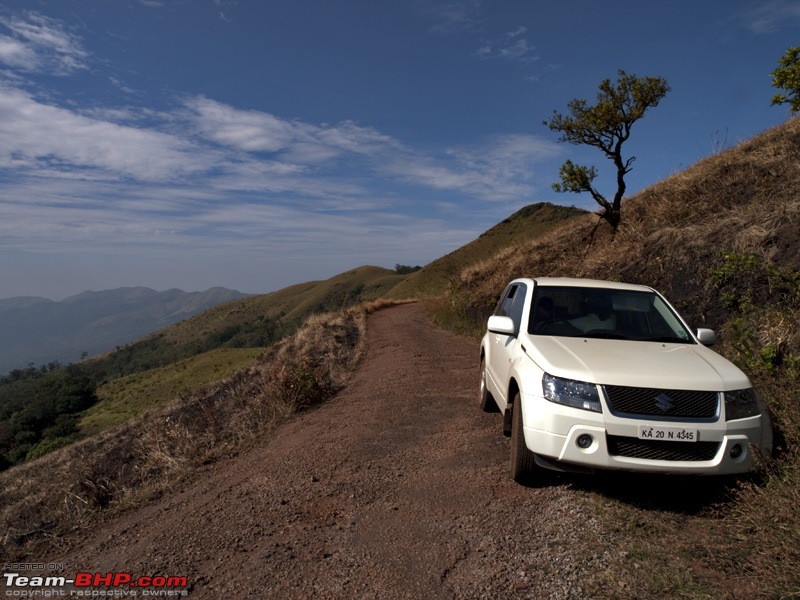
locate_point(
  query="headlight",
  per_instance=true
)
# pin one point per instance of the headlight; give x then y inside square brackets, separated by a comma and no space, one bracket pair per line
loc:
[578,394]
[741,404]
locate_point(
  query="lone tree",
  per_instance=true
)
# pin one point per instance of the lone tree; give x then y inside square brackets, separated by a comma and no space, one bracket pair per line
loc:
[606,125]
[787,78]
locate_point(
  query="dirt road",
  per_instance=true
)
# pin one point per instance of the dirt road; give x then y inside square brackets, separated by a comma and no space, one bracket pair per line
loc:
[396,488]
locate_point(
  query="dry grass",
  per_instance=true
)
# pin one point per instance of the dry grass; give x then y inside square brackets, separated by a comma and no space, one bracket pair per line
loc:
[722,241]
[52,499]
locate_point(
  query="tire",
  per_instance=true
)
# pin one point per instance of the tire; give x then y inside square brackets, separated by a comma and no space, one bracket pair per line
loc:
[486,401]
[523,462]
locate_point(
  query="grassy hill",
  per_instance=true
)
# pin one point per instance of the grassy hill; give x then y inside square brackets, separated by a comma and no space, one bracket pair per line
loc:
[124,398]
[218,342]
[284,309]
[527,224]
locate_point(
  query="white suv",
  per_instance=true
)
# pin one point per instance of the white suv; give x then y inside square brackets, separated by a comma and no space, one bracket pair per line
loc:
[603,375]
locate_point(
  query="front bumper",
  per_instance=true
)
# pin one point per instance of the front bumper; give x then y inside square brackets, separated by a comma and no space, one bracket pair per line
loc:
[552,431]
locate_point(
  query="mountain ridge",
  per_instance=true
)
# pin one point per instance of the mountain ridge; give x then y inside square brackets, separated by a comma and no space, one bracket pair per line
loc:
[38,330]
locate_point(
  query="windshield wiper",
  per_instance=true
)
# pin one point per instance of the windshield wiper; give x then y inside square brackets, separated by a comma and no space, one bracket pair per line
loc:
[668,339]
[604,334]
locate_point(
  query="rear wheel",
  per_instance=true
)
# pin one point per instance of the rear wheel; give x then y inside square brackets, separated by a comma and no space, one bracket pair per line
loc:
[487,402]
[523,463]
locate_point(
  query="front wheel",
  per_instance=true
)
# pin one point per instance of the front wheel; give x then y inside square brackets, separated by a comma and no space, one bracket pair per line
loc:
[523,462]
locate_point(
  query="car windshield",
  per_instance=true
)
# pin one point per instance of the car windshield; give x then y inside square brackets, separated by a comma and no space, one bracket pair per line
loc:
[604,313]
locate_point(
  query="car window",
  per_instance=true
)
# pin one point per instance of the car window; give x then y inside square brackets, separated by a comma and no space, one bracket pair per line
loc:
[518,305]
[506,302]
[606,313]
[512,304]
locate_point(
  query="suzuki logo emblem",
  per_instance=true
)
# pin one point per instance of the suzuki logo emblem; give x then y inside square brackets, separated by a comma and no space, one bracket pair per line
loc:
[664,402]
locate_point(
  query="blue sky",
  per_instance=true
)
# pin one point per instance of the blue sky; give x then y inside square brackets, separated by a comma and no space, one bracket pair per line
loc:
[254,144]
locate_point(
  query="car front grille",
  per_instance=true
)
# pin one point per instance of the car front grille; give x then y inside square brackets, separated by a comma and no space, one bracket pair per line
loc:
[661,450]
[673,404]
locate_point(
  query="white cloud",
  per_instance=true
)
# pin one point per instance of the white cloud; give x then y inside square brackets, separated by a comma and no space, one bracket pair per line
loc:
[118,144]
[771,15]
[450,16]
[247,130]
[16,54]
[353,138]
[34,135]
[257,131]
[49,142]
[499,170]
[41,43]
[518,50]
[511,46]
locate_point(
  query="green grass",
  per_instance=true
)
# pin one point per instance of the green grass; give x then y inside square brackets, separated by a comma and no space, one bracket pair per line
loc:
[133,395]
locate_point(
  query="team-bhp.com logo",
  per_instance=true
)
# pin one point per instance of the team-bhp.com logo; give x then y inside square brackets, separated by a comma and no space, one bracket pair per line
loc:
[118,585]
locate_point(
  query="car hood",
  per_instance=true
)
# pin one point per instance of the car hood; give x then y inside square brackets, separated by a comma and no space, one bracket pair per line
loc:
[635,363]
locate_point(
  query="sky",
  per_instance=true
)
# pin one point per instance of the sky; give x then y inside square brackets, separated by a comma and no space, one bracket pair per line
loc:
[254,144]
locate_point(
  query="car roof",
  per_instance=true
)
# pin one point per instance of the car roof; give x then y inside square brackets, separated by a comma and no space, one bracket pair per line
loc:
[589,283]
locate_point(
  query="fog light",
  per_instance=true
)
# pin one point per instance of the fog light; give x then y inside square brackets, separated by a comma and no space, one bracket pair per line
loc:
[736,451]
[584,441]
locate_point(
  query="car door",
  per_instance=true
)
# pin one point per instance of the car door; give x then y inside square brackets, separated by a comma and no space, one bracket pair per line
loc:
[500,345]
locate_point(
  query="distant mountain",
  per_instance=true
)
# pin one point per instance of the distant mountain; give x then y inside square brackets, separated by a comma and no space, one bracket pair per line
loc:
[40,331]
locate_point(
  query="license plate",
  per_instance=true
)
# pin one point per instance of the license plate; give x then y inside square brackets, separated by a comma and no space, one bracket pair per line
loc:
[667,434]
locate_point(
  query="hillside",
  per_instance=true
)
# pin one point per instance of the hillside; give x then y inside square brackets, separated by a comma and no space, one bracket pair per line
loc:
[528,223]
[41,331]
[283,309]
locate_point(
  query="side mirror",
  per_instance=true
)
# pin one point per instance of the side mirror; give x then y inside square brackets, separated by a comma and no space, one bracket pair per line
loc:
[707,337]
[501,325]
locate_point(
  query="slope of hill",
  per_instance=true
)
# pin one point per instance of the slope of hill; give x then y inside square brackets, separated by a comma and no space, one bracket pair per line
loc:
[526,224]
[281,311]
[39,331]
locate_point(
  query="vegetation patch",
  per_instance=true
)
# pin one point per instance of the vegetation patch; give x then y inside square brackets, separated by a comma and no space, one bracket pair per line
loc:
[133,395]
